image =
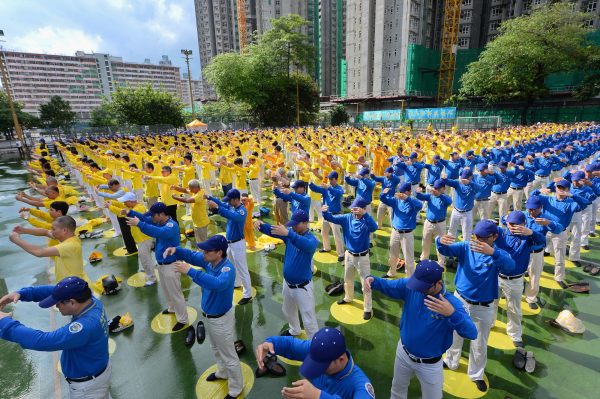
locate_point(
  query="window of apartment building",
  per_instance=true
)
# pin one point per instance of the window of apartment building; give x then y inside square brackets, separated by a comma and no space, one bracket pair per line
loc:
[592,6]
[415,8]
[463,42]
[465,15]
[589,23]
[414,24]
[467,3]
[494,25]
[412,38]
[496,11]
[465,29]
[538,2]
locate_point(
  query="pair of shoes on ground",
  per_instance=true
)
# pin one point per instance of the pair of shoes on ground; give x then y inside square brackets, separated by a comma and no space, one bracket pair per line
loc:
[366,315]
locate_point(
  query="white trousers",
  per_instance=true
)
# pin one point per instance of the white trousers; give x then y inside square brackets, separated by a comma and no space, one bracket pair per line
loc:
[557,244]
[146,260]
[337,237]
[500,201]
[483,317]
[431,376]
[255,192]
[98,388]
[361,264]
[430,232]
[170,282]
[315,208]
[221,334]
[536,265]
[300,300]
[236,252]
[586,221]
[382,209]
[516,197]
[594,217]
[482,209]
[528,188]
[576,230]
[513,291]
[462,219]
[539,182]
[406,242]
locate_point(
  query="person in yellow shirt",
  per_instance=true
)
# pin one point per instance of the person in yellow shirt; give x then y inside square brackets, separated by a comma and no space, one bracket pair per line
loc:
[165,182]
[205,174]
[135,176]
[52,194]
[241,172]
[150,186]
[189,172]
[66,254]
[226,171]
[254,182]
[199,208]
[42,221]
[248,225]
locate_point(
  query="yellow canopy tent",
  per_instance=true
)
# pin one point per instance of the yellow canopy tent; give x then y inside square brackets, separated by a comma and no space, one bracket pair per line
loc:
[197,125]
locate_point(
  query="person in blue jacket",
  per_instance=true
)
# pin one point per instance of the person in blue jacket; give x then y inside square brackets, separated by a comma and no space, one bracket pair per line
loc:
[435,224]
[390,181]
[476,281]
[430,317]
[465,190]
[217,279]
[232,209]
[520,177]
[83,341]
[298,198]
[327,366]
[298,291]
[357,227]
[332,197]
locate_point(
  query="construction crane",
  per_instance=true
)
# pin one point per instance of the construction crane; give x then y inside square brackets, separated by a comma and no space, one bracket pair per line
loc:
[241,17]
[449,45]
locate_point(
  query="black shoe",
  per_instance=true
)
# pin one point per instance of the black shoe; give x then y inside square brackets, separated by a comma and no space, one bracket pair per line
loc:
[568,251]
[178,326]
[533,306]
[593,235]
[368,315]
[285,333]
[577,263]
[342,302]
[340,258]
[200,333]
[518,344]
[586,247]
[190,336]
[481,385]
[386,276]
[213,377]
[167,311]
[562,285]
[445,365]
[371,245]
[322,251]
[228,396]
[244,301]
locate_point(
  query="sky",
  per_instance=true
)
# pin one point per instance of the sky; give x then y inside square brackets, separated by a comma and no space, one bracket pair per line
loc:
[132,29]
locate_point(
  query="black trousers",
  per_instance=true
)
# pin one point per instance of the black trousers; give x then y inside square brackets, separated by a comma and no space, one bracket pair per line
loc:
[172,211]
[127,237]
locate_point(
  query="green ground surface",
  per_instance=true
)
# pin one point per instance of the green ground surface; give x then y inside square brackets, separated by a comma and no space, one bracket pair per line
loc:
[150,365]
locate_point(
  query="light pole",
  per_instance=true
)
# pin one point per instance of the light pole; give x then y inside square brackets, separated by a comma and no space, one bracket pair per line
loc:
[6,84]
[186,55]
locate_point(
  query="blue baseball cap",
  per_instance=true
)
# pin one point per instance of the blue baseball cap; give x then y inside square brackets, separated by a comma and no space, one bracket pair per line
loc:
[439,183]
[590,168]
[359,202]
[427,272]
[516,217]
[364,172]
[298,183]
[546,150]
[485,228]
[333,175]
[534,202]
[436,157]
[506,142]
[67,288]
[389,169]
[498,142]
[577,175]
[404,187]
[298,216]
[327,345]
[520,163]
[503,164]
[482,166]
[234,193]
[563,183]
[413,155]
[466,173]
[214,243]
[158,207]
[470,152]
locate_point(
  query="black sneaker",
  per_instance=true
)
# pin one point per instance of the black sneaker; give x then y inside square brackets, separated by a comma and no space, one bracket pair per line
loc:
[322,251]
[481,385]
[518,344]
[577,263]
[228,396]
[285,333]
[533,306]
[586,247]
[244,301]
[342,302]
[167,311]
[213,377]
[562,285]
[340,258]
[178,326]
[386,276]
[593,235]
[190,336]
[368,315]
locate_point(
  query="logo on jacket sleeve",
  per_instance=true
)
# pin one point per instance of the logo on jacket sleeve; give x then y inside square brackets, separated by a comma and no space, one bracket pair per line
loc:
[75,327]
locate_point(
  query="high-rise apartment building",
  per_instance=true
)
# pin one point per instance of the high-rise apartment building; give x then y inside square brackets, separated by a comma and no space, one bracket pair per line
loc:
[83,79]
[197,91]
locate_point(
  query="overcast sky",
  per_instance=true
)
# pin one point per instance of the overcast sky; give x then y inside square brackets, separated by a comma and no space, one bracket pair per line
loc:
[132,29]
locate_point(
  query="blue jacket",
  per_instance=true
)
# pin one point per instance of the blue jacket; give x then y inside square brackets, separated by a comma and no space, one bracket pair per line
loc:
[464,194]
[332,196]
[297,201]
[436,206]
[553,227]
[84,341]
[434,171]
[391,183]
[477,274]
[412,172]
[404,212]
[520,177]
[453,167]
[560,212]
[519,247]
[356,232]
[236,218]
[299,251]
[217,282]
[167,235]
[350,383]
[502,183]
[425,333]
[364,187]
[485,182]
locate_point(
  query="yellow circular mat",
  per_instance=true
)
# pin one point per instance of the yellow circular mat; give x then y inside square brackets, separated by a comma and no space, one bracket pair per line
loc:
[293,362]
[351,313]
[112,347]
[237,294]
[219,388]
[108,234]
[326,257]
[547,281]
[375,202]
[139,279]
[384,232]
[93,209]
[584,251]
[318,225]
[163,323]
[182,237]
[186,218]
[498,338]
[549,260]
[458,383]
[527,311]
[122,252]
[259,247]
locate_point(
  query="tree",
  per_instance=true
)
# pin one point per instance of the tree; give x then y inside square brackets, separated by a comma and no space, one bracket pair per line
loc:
[57,113]
[339,115]
[6,121]
[223,111]
[103,115]
[144,105]
[514,65]
[271,78]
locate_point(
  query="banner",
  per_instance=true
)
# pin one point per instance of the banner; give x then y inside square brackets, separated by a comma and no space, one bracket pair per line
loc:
[386,115]
[431,113]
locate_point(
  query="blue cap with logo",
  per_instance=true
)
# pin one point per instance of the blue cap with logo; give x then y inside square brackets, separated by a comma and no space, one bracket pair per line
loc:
[364,172]
[533,202]
[413,155]
[359,202]
[563,183]
[516,217]
[482,166]
[298,183]
[439,183]
[577,175]
[485,228]
[520,163]
[389,169]
[234,193]
[67,288]
[427,272]
[214,243]
[298,216]
[404,187]
[466,173]
[333,175]
[158,207]
[327,345]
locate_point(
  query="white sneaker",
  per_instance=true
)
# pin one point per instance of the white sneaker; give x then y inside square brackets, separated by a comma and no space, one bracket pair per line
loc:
[149,283]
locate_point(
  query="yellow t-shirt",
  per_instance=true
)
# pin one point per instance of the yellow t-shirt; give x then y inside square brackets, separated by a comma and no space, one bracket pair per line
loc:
[69,262]
[200,210]
[164,186]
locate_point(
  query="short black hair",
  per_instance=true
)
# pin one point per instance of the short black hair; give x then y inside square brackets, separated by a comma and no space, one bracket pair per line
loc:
[167,168]
[60,206]
[85,296]
[150,165]
[188,157]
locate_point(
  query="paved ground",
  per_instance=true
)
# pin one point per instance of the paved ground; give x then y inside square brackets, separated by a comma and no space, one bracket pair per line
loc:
[149,365]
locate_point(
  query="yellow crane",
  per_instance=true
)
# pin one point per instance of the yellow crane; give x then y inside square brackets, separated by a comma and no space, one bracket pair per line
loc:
[449,46]
[242,30]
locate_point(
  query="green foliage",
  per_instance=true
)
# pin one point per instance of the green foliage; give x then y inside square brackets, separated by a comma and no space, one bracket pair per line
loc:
[103,115]
[262,79]
[339,115]
[6,122]
[144,105]
[57,113]
[529,48]
[223,111]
